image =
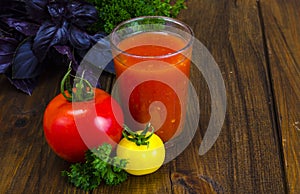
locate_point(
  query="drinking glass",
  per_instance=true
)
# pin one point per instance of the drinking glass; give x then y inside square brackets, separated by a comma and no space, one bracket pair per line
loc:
[152,61]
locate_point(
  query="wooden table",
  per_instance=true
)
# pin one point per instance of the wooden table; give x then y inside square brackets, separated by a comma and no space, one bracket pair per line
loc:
[256,44]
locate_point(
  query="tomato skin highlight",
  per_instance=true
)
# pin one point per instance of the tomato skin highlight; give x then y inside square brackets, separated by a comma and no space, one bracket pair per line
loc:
[71,128]
[142,159]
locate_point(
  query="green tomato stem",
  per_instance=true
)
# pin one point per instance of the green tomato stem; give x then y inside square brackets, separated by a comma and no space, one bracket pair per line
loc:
[65,82]
[138,139]
[83,90]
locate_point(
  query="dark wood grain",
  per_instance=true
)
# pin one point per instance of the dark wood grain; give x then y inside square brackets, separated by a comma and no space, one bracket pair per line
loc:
[246,156]
[27,164]
[282,28]
[256,45]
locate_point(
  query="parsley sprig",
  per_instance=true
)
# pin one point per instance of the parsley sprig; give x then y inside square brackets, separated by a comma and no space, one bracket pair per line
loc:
[99,166]
[112,12]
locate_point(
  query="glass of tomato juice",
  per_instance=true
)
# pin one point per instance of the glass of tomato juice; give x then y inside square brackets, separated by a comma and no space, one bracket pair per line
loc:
[152,61]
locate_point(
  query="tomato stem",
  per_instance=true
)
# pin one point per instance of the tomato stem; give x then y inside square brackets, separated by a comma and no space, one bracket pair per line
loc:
[138,139]
[83,90]
[65,82]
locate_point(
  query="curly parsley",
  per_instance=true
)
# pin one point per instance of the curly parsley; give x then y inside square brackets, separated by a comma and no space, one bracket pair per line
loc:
[112,12]
[99,166]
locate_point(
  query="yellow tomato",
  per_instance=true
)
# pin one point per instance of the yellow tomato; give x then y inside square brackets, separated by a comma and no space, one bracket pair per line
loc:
[142,159]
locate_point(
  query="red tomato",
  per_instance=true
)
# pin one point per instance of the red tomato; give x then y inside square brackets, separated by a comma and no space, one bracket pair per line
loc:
[71,128]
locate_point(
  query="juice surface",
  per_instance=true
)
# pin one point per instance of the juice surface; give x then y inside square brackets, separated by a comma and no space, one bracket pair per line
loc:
[158,77]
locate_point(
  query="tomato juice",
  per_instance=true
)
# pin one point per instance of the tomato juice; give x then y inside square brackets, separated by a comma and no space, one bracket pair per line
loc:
[157,66]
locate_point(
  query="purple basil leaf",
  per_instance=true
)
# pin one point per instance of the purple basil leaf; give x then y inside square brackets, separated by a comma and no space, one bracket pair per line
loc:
[25,64]
[79,39]
[37,9]
[56,10]
[25,27]
[61,1]
[11,8]
[62,33]
[82,14]
[48,35]
[7,51]
[66,50]
[25,85]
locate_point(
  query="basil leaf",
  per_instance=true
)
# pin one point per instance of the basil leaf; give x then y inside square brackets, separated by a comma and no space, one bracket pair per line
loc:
[78,38]
[25,64]
[12,8]
[65,50]
[7,50]
[48,35]
[25,27]
[56,11]
[37,9]
[25,85]
[82,14]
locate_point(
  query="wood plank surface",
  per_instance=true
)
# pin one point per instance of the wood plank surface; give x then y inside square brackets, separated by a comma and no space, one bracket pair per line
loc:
[27,164]
[256,45]
[246,156]
[282,28]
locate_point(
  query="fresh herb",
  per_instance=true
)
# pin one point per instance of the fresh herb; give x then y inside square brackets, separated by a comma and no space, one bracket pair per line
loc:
[112,12]
[99,166]
[32,30]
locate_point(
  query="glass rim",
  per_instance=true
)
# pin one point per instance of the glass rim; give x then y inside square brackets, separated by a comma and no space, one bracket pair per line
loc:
[169,19]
